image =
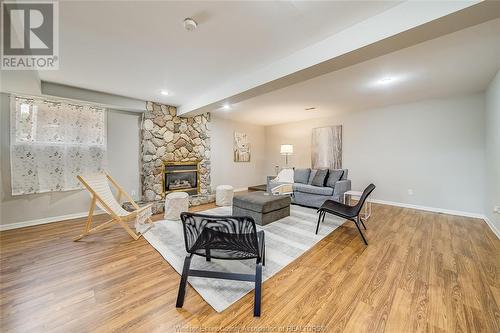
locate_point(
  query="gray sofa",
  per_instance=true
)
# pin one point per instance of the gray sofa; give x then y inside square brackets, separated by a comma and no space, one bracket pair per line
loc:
[308,192]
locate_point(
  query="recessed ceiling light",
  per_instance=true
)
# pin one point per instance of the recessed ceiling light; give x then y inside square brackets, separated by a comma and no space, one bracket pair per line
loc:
[164,92]
[226,107]
[389,80]
[312,108]
[386,80]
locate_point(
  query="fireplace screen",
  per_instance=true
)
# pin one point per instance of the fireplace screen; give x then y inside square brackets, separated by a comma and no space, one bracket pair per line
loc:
[181,177]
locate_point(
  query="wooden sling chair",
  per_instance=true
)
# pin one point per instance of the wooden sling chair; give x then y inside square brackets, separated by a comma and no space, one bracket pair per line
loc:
[100,192]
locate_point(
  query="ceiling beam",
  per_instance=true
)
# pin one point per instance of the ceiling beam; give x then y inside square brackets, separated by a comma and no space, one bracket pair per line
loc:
[402,26]
[92,96]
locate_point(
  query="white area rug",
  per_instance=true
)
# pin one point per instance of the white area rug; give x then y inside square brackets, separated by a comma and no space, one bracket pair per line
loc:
[286,240]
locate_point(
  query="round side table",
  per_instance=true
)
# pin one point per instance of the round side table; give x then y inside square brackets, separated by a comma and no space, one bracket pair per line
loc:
[368,204]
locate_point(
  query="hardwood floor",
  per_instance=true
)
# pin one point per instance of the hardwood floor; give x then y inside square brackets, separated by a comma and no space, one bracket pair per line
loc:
[421,272]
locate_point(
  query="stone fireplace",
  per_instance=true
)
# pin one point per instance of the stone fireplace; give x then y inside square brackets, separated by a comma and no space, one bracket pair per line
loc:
[169,144]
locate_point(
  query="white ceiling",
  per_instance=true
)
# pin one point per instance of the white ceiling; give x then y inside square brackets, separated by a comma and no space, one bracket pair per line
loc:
[458,63]
[138,48]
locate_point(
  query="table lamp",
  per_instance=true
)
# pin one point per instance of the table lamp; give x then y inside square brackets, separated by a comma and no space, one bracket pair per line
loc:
[286,150]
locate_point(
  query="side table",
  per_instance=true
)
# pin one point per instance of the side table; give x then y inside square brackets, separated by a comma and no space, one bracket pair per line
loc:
[368,204]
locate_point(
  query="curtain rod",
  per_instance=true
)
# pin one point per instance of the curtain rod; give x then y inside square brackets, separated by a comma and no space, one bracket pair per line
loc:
[59,101]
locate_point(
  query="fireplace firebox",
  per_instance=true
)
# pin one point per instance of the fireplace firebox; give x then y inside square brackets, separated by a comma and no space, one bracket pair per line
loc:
[181,176]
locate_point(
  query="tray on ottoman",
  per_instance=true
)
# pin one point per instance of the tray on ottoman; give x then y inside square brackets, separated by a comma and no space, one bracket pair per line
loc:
[262,207]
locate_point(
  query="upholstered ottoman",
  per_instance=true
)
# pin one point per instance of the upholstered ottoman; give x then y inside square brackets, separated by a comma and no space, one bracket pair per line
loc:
[224,195]
[262,207]
[175,204]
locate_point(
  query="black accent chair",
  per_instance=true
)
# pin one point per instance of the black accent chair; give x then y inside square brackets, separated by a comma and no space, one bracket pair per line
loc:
[345,211]
[222,237]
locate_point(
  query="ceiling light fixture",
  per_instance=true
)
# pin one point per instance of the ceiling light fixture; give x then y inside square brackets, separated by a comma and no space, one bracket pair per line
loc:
[164,92]
[226,107]
[386,80]
[190,24]
[389,80]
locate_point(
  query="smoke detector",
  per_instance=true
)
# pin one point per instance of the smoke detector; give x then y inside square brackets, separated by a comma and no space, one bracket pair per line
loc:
[190,24]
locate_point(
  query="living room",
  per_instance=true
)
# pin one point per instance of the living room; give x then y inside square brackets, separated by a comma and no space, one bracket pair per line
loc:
[371,165]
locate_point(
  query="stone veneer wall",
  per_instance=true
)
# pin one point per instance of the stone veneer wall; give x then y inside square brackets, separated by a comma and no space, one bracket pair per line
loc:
[169,138]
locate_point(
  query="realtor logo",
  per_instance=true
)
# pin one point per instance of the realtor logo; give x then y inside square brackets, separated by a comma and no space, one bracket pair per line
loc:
[30,35]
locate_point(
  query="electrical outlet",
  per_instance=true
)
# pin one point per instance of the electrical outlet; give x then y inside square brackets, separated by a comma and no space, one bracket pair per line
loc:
[496,209]
[133,193]
[410,191]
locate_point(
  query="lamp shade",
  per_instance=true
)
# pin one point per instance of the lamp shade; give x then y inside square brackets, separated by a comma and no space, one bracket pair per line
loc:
[286,149]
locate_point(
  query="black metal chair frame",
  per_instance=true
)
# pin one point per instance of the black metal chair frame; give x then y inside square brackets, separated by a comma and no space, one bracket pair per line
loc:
[259,254]
[347,212]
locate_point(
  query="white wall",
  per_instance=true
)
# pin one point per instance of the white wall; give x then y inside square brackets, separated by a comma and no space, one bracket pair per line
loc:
[124,150]
[224,169]
[123,164]
[22,82]
[492,119]
[434,147]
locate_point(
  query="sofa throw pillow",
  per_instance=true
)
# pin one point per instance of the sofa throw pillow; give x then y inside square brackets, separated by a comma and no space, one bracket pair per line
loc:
[301,175]
[319,178]
[334,175]
[311,176]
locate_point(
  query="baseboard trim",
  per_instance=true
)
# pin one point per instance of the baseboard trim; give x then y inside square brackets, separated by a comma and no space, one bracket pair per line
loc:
[492,226]
[440,210]
[46,220]
[429,209]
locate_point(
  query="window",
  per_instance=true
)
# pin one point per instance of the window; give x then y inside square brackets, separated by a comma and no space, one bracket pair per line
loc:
[54,141]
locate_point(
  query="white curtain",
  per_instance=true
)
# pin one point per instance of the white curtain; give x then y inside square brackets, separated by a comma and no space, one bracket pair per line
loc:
[54,141]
